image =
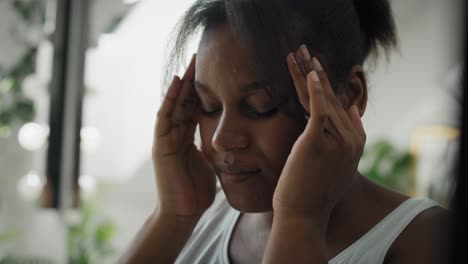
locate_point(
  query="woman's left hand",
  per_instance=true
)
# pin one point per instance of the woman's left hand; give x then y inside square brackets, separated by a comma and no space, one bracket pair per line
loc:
[323,162]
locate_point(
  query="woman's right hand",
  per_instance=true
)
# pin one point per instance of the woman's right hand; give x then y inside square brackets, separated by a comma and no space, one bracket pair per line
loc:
[185,180]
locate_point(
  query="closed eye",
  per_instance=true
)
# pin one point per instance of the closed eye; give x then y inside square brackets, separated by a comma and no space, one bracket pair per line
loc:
[210,113]
[262,114]
[250,111]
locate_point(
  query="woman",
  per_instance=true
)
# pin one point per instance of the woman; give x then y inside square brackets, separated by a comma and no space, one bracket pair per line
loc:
[278,91]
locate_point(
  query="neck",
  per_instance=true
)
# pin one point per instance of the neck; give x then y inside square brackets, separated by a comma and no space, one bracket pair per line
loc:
[342,211]
[348,206]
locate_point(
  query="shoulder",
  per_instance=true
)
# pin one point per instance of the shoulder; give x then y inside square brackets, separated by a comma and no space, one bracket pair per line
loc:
[424,240]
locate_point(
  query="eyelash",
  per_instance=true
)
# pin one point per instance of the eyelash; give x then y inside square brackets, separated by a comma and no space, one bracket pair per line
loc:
[209,113]
[250,111]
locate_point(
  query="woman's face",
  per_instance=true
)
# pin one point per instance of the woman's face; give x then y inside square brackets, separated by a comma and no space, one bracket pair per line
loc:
[243,134]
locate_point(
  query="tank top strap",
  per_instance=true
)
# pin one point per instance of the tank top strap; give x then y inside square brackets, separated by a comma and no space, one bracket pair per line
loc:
[397,221]
[378,240]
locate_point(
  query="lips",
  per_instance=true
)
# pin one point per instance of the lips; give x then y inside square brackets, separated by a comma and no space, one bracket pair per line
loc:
[236,169]
[236,174]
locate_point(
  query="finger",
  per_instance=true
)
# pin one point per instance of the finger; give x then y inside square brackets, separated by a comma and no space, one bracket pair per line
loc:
[317,66]
[300,83]
[330,94]
[325,116]
[187,100]
[300,63]
[163,121]
[306,58]
[167,106]
[318,107]
[192,126]
[303,63]
[189,137]
[306,65]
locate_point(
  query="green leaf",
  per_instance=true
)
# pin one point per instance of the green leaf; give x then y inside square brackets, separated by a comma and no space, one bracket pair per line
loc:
[5,131]
[6,118]
[24,109]
[104,232]
[6,85]
[386,165]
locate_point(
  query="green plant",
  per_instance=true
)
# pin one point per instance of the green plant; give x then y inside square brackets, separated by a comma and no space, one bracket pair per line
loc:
[383,163]
[89,240]
[25,260]
[10,235]
[14,105]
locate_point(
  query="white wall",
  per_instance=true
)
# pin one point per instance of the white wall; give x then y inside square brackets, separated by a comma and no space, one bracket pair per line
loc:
[125,71]
[412,89]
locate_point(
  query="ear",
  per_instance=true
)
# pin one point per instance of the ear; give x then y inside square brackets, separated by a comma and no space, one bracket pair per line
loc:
[355,91]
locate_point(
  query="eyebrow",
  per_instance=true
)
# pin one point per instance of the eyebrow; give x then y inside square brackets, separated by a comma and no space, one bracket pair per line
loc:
[244,88]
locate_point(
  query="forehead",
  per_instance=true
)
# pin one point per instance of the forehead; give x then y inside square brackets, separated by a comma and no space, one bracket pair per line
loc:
[221,55]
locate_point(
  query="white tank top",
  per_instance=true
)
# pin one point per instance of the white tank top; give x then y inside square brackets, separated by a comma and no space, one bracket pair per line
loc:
[209,241]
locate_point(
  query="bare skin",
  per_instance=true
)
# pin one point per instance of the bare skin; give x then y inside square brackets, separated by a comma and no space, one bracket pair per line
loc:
[285,201]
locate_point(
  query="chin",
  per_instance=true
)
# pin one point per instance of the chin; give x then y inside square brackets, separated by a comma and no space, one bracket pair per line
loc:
[249,197]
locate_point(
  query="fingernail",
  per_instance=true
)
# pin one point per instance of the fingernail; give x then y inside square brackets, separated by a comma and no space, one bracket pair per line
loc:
[292,58]
[314,76]
[317,64]
[305,52]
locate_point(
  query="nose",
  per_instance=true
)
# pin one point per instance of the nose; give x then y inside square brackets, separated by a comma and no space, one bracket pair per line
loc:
[230,135]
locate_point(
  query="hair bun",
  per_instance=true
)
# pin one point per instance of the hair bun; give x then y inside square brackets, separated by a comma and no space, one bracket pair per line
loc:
[376,21]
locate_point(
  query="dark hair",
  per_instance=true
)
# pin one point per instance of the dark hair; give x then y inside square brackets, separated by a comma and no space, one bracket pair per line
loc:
[341,33]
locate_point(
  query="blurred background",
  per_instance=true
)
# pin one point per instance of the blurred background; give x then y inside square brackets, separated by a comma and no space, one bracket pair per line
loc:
[80,85]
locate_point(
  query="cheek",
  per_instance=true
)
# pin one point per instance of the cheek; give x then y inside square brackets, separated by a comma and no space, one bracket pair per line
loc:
[277,141]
